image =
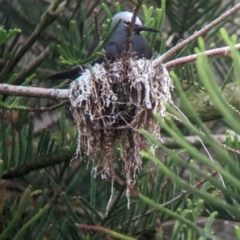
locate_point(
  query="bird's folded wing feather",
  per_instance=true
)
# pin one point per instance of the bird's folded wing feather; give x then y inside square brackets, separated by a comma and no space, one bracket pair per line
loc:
[72,74]
[111,50]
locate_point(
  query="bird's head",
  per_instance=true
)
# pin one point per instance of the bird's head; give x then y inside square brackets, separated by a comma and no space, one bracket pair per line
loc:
[125,17]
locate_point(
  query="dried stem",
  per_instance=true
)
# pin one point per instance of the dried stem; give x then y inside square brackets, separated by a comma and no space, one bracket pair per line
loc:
[96,24]
[98,37]
[104,230]
[30,25]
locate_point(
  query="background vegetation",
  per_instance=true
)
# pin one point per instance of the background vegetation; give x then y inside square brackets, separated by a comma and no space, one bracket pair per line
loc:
[181,193]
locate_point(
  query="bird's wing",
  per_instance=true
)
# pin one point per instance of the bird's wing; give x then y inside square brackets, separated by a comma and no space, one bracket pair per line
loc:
[111,50]
[142,47]
[91,48]
[72,74]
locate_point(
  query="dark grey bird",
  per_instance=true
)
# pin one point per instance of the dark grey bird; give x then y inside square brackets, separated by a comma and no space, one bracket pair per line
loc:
[116,45]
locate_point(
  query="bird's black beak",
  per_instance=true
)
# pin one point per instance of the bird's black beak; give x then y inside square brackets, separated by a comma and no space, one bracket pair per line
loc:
[139,28]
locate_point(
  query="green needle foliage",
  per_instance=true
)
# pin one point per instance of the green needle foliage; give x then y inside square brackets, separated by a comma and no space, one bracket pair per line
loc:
[6,36]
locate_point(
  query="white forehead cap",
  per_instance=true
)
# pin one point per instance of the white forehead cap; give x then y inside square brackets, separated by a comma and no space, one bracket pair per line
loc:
[125,16]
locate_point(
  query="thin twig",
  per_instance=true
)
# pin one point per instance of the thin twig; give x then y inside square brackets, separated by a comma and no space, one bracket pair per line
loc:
[105,60]
[33,65]
[197,34]
[175,118]
[103,230]
[130,29]
[229,149]
[14,10]
[96,24]
[180,196]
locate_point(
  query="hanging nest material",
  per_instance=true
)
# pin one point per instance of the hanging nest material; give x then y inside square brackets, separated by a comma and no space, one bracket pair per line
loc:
[111,105]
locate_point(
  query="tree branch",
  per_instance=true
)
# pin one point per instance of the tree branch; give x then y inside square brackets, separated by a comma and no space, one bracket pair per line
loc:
[62,94]
[33,91]
[48,17]
[33,65]
[213,52]
[197,34]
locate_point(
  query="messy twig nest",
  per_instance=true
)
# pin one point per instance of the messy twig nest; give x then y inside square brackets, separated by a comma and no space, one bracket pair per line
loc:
[111,105]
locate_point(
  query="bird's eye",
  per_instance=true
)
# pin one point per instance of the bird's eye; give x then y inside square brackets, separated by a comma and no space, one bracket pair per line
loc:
[128,23]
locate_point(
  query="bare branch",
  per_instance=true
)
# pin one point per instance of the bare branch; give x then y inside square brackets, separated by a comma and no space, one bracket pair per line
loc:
[33,91]
[193,57]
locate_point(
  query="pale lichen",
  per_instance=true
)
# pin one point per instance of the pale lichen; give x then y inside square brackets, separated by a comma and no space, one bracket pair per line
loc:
[111,105]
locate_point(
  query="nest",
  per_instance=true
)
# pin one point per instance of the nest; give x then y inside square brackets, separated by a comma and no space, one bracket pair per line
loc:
[111,105]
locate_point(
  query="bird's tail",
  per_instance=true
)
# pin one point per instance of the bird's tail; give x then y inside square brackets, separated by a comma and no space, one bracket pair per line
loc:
[71,74]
